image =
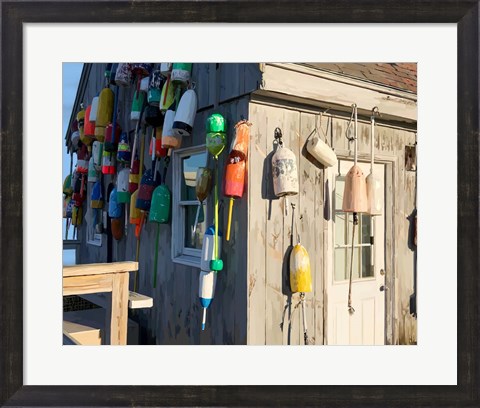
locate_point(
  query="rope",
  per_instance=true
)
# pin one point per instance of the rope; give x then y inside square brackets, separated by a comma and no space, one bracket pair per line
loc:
[351,310]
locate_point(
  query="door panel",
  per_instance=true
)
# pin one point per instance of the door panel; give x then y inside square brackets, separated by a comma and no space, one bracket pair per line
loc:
[366,326]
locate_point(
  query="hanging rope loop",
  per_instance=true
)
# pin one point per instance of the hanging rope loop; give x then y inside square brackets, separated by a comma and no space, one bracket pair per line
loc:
[278,136]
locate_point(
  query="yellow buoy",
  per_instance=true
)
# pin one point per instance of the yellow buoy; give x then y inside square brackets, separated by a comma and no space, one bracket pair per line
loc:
[300,274]
[104,113]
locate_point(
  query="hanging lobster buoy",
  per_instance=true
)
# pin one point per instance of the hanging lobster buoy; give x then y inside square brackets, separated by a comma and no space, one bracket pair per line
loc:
[67,186]
[134,176]
[207,277]
[115,212]
[155,88]
[92,171]
[207,281]
[144,83]
[321,151]
[208,248]
[82,160]
[97,153]
[185,114]
[108,163]
[374,184]
[97,196]
[284,170]
[216,134]
[77,216]
[167,98]
[169,139]
[112,138]
[159,213]
[89,128]
[135,213]
[236,167]
[141,69]
[124,154]
[300,274]
[123,194]
[153,116]
[215,141]
[79,189]
[145,191]
[166,69]
[123,75]
[137,104]
[104,113]
[203,185]
[355,193]
[181,73]
[81,122]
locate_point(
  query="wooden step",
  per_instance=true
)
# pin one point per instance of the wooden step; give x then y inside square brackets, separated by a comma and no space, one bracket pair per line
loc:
[88,327]
[135,300]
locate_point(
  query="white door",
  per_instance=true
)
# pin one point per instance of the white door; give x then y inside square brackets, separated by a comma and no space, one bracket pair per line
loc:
[366,326]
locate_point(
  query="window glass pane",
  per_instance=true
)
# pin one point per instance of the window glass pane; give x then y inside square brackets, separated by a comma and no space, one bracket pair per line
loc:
[350,230]
[339,187]
[194,240]
[340,264]
[367,269]
[190,164]
[340,229]
[366,227]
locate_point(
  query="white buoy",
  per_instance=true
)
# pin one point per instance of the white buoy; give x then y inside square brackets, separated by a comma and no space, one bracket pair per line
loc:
[285,173]
[374,184]
[166,68]
[206,291]
[144,83]
[169,139]
[208,248]
[93,111]
[185,114]
[321,151]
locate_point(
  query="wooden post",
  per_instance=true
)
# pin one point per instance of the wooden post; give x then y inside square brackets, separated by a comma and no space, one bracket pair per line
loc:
[119,316]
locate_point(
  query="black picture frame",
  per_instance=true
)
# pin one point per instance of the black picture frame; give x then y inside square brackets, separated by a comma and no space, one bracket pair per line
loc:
[465,13]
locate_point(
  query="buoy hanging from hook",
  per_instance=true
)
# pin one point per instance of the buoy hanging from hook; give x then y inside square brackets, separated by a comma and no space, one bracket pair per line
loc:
[284,170]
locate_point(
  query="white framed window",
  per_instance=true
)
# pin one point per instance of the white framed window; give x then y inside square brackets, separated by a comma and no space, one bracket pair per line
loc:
[187,243]
[362,255]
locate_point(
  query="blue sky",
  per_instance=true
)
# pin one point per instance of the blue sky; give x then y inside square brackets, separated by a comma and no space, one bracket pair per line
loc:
[70,77]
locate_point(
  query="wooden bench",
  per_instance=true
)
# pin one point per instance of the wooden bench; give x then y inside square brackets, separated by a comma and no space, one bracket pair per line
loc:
[103,277]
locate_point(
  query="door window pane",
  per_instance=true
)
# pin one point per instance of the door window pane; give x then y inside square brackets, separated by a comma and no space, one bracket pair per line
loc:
[366,228]
[340,264]
[367,268]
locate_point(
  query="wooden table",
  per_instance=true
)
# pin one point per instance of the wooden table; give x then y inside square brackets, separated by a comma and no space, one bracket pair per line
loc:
[103,277]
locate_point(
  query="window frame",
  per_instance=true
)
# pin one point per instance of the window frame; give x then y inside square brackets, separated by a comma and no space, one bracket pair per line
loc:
[179,252]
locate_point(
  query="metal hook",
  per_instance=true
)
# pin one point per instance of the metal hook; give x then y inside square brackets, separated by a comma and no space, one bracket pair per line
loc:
[375,112]
[278,136]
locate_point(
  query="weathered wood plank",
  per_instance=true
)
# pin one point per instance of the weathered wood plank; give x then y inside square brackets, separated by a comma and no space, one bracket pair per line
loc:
[79,285]
[257,226]
[99,268]
[119,316]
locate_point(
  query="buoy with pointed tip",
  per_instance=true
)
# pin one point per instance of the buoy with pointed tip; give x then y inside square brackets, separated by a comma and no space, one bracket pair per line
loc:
[300,273]
[207,281]
[181,72]
[185,114]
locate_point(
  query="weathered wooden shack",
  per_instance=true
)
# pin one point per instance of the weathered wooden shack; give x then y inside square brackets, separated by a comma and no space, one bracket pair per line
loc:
[253,303]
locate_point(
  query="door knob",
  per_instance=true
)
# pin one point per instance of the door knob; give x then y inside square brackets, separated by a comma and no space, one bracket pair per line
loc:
[382,272]
[383,288]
